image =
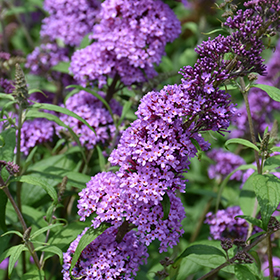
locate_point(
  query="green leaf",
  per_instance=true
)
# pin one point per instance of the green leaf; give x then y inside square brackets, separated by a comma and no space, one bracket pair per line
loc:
[273,92]
[275,149]
[85,240]
[52,249]
[14,257]
[6,106]
[7,150]
[51,117]
[38,182]
[3,203]
[36,90]
[125,110]
[6,96]
[62,110]
[272,163]
[255,235]
[253,221]
[34,274]
[41,230]
[49,212]
[243,273]
[62,67]
[101,158]
[215,31]
[165,203]
[247,198]
[96,95]
[267,188]
[13,231]
[243,142]
[85,42]
[200,249]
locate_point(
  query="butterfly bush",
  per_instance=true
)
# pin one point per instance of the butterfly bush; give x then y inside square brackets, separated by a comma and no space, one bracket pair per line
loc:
[104,256]
[225,163]
[69,21]
[261,105]
[129,39]
[155,151]
[91,109]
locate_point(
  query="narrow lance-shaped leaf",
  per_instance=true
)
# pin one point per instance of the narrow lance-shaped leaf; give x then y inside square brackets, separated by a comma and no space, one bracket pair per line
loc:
[14,257]
[85,240]
[13,232]
[52,249]
[243,142]
[96,95]
[101,158]
[38,182]
[273,92]
[125,109]
[6,96]
[42,230]
[253,221]
[62,110]
[51,117]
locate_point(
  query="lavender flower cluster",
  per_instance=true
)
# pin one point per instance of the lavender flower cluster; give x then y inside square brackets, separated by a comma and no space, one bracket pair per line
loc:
[225,163]
[104,256]
[224,224]
[44,57]
[130,38]
[261,105]
[35,132]
[69,21]
[93,111]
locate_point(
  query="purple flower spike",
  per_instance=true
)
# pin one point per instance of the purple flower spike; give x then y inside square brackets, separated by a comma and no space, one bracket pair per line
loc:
[104,258]
[225,162]
[69,20]
[130,38]
[223,224]
[93,111]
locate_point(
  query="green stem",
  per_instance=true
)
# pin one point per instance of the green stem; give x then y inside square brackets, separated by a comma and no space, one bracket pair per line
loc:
[112,89]
[250,121]
[269,255]
[244,91]
[29,244]
[18,155]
